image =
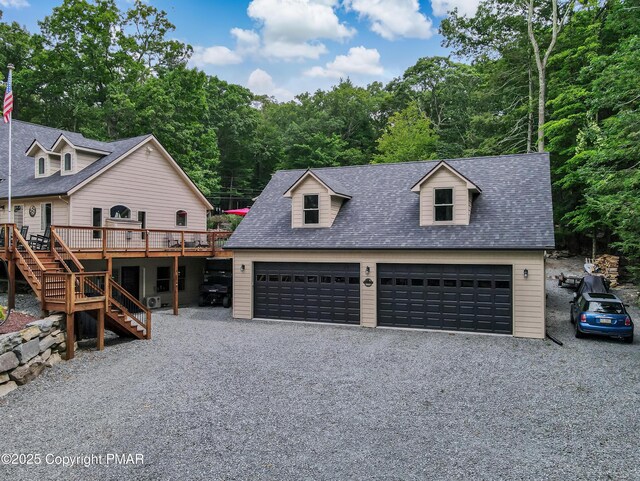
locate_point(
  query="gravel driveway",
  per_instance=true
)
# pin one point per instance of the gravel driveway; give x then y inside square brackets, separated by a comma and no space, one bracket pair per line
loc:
[213,398]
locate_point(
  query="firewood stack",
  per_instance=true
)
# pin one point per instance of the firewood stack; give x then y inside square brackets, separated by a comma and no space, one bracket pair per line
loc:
[608,266]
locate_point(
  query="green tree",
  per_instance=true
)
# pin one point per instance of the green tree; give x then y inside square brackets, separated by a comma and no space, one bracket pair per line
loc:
[409,136]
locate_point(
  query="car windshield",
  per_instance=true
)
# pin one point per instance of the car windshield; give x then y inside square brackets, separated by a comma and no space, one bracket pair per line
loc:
[606,307]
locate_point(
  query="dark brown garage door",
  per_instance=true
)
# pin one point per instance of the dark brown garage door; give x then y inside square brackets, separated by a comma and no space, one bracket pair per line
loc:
[307,292]
[452,297]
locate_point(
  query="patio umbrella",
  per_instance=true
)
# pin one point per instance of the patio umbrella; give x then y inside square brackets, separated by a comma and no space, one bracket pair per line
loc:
[241,212]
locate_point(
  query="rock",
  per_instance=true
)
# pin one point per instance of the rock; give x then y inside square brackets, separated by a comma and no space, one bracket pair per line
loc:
[29,333]
[27,372]
[4,377]
[47,342]
[56,332]
[8,361]
[27,350]
[7,387]
[46,354]
[45,324]
[9,341]
[54,359]
[62,347]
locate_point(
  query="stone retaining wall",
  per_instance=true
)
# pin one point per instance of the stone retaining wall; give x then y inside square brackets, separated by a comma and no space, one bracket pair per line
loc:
[26,353]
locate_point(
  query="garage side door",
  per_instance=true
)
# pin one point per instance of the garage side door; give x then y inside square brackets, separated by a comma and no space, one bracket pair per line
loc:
[307,292]
[451,297]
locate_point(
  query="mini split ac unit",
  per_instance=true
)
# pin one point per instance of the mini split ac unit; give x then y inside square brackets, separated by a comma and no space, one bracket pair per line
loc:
[153,302]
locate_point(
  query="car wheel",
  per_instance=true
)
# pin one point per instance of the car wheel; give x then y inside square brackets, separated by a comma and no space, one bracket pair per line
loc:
[202,301]
[226,302]
[629,340]
[579,333]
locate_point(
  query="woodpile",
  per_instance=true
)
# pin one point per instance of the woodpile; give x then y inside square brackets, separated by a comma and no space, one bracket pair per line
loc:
[608,267]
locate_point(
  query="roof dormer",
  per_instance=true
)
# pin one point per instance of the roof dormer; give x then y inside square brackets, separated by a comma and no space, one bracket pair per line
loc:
[74,158]
[446,196]
[315,200]
[46,163]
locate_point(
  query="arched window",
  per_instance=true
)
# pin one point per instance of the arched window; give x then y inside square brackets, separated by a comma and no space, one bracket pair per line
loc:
[41,166]
[120,212]
[67,161]
[181,218]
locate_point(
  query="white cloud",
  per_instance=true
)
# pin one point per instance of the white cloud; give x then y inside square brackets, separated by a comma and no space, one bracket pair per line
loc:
[465,7]
[261,83]
[359,60]
[292,28]
[216,55]
[394,18]
[14,3]
[247,41]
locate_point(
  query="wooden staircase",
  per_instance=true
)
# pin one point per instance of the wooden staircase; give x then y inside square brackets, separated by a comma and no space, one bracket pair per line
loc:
[60,282]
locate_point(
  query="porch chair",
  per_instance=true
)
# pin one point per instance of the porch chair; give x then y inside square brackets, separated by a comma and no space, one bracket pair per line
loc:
[24,230]
[41,242]
[171,242]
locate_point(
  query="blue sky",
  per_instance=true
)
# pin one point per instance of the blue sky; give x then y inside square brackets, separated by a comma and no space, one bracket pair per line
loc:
[285,47]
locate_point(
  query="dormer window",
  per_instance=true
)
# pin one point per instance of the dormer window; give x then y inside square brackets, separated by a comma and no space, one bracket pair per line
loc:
[311,209]
[443,205]
[41,166]
[120,212]
[67,162]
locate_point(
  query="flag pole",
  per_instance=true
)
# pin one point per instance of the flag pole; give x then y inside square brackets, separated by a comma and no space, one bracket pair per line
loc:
[10,67]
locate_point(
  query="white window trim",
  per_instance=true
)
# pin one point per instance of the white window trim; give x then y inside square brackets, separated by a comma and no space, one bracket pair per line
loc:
[186,218]
[304,221]
[452,205]
[46,161]
[72,168]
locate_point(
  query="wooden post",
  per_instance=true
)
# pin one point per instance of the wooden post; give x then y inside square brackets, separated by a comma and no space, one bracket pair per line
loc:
[182,241]
[11,290]
[104,242]
[110,267]
[100,342]
[71,338]
[146,242]
[175,285]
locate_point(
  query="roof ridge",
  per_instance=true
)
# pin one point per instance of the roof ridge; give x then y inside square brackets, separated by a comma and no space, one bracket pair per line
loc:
[417,162]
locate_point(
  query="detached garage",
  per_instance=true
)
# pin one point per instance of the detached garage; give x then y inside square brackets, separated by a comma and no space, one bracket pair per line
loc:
[454,245]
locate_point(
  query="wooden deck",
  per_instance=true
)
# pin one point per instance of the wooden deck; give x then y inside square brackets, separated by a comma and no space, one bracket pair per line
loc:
[54,270]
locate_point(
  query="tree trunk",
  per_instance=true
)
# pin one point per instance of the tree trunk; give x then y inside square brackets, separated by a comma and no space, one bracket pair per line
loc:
[594,245]
[530,112]
[542,87]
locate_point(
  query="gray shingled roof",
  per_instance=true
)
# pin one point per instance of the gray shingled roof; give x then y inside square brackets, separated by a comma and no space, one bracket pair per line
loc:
[24,183]
[514,210]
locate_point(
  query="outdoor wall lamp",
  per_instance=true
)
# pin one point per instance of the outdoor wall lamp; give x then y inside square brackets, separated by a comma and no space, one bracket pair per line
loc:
[526,273]
[367,270]
[242,268]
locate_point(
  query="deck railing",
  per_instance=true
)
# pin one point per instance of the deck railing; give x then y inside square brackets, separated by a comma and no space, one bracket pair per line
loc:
[73,288]
[25,255]
[123,239]
[64,255]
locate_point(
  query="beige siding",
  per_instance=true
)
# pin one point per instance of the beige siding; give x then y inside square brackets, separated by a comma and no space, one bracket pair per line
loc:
[528,294]
[310,186]
[144,181]
[51,164]
[336,203]
[59,211]
[444,179]
[148,276]
[84,159]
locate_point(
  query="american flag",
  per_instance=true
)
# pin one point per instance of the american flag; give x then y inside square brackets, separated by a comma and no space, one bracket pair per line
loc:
[8,101]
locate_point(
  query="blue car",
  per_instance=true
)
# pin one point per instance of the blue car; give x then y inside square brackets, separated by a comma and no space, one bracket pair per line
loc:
[599,313]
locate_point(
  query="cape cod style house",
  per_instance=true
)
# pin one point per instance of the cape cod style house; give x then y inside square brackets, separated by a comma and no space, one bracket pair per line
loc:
[450,245]
[117,223]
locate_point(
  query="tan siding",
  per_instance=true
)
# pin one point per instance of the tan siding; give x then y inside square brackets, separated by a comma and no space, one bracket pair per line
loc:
[310,186]
[84,159]
[144,181]
[59,212]
[444,179]
[336,203]
[528,294]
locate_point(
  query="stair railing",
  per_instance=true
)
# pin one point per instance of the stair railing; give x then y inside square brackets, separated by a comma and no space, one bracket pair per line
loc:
[28,260]
[63,254]
[130,306]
